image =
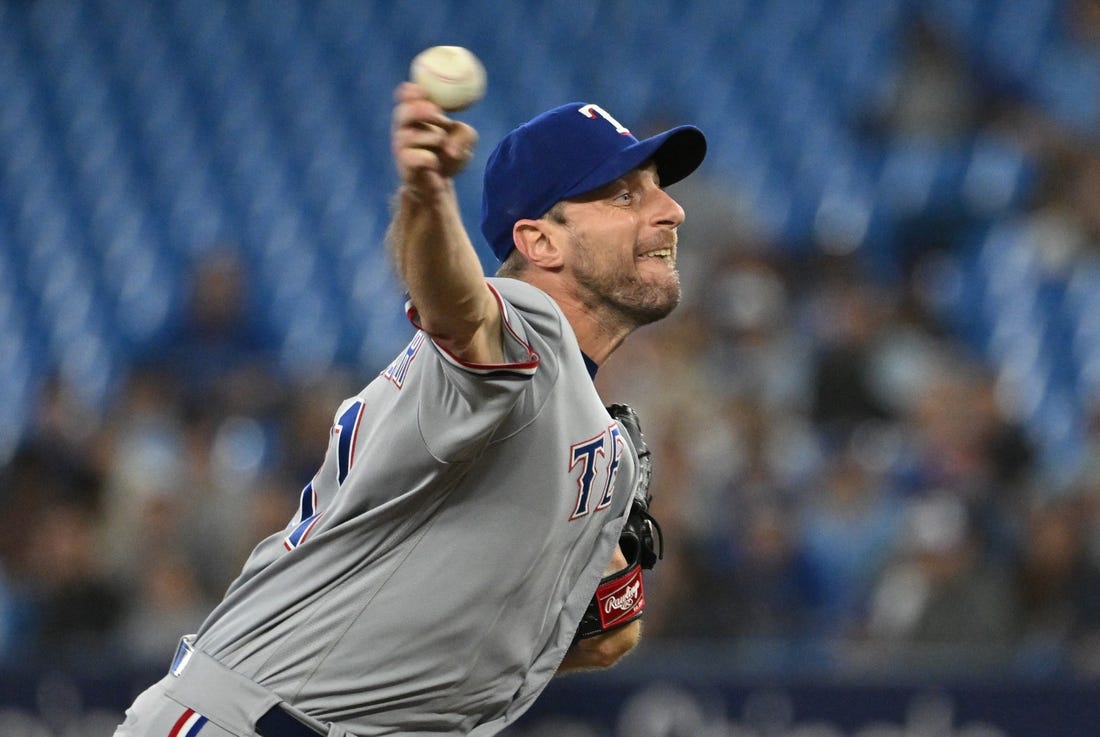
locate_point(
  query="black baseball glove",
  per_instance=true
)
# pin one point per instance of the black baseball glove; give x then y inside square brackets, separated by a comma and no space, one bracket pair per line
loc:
[620,597]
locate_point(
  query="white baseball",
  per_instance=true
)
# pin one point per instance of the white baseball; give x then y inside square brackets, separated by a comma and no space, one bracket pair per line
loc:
[451,75]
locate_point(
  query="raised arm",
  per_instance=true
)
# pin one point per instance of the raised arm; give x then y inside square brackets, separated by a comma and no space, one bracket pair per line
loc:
[427,239]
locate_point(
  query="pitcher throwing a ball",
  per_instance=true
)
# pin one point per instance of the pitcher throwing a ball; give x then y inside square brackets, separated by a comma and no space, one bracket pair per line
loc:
[479,522]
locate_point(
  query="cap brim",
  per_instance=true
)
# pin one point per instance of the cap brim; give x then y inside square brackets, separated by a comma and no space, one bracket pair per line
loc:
[677,152]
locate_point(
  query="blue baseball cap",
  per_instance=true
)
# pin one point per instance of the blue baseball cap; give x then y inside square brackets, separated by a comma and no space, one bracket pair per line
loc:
[565,152]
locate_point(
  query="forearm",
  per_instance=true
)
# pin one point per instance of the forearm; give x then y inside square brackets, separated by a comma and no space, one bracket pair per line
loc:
[440,269]
[427,240]
[601,651]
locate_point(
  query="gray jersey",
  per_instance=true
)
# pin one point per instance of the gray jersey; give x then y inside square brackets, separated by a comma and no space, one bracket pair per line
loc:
[446,549]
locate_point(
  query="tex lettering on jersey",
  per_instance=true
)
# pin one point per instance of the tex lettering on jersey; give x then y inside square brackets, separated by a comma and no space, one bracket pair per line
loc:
[344,433]
[594,468]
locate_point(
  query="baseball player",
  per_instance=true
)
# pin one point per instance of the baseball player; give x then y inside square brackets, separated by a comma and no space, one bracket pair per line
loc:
[479,522]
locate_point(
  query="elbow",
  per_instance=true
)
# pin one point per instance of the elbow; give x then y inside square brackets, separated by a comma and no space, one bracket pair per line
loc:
[450,330]
[469,335]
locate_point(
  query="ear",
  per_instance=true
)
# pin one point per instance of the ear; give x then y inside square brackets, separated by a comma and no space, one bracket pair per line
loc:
[538,241]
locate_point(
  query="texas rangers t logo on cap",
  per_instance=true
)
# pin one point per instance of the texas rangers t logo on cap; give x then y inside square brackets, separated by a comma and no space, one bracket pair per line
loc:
[591,110]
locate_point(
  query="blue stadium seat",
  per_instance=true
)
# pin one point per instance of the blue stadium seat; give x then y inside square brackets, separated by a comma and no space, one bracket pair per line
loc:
[964,19]
[1018,35]
[1056,423]
[997,177]
[17,391]
[1067,83]
[1009,264]
[1082,314]
[914,175]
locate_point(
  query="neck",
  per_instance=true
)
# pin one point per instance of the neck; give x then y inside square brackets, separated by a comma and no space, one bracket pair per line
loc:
[599,329]
[598,335]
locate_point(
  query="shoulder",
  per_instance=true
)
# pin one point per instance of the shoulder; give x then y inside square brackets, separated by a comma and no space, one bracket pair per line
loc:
[522,295]
[535,306]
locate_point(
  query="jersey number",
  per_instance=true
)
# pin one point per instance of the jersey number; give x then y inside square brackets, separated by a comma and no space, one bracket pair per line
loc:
[344,431]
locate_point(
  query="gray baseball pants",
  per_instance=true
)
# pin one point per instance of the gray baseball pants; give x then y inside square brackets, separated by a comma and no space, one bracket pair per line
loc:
[200,697]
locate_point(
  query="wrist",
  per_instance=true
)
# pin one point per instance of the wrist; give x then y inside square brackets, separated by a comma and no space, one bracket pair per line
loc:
[422,194]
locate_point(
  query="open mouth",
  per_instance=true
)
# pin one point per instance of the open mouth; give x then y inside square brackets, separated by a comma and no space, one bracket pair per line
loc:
[659,253]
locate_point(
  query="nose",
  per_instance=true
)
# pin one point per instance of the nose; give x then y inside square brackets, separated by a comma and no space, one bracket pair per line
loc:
[667,211]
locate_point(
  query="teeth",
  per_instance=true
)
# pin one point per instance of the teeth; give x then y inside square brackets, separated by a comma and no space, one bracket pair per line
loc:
[659,253]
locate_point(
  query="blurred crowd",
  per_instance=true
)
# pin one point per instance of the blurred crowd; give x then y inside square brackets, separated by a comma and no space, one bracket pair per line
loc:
[840,480]
[841,487]
[847,481]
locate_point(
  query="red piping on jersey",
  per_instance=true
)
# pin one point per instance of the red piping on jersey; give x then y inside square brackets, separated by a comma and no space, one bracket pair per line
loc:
[525,367]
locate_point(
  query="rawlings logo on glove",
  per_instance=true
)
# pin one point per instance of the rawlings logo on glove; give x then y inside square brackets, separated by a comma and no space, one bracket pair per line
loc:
[621,599]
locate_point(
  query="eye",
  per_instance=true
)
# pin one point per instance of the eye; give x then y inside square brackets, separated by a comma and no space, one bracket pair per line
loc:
[625,196]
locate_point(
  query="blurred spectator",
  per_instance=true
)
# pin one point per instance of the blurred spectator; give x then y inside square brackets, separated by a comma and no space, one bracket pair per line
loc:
[167,601]
[756,351]
[848,530]
[59,600]
[218,350]
[848,316]
[1063,223]
[76,607]
[1082,21]
[755,584]
[146,467]
[197,428]
[14,614]
[941,602]
[1058,584]
[961,441]
[68,427]
[934,96]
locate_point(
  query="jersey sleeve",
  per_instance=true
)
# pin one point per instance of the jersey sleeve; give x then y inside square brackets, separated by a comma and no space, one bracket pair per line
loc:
[463,404]
[520,360]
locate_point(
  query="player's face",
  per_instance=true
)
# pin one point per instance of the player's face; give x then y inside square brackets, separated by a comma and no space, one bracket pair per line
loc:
[623,247]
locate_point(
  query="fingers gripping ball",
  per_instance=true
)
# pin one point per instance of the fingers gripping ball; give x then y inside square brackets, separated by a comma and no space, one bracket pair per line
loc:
[452,76]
